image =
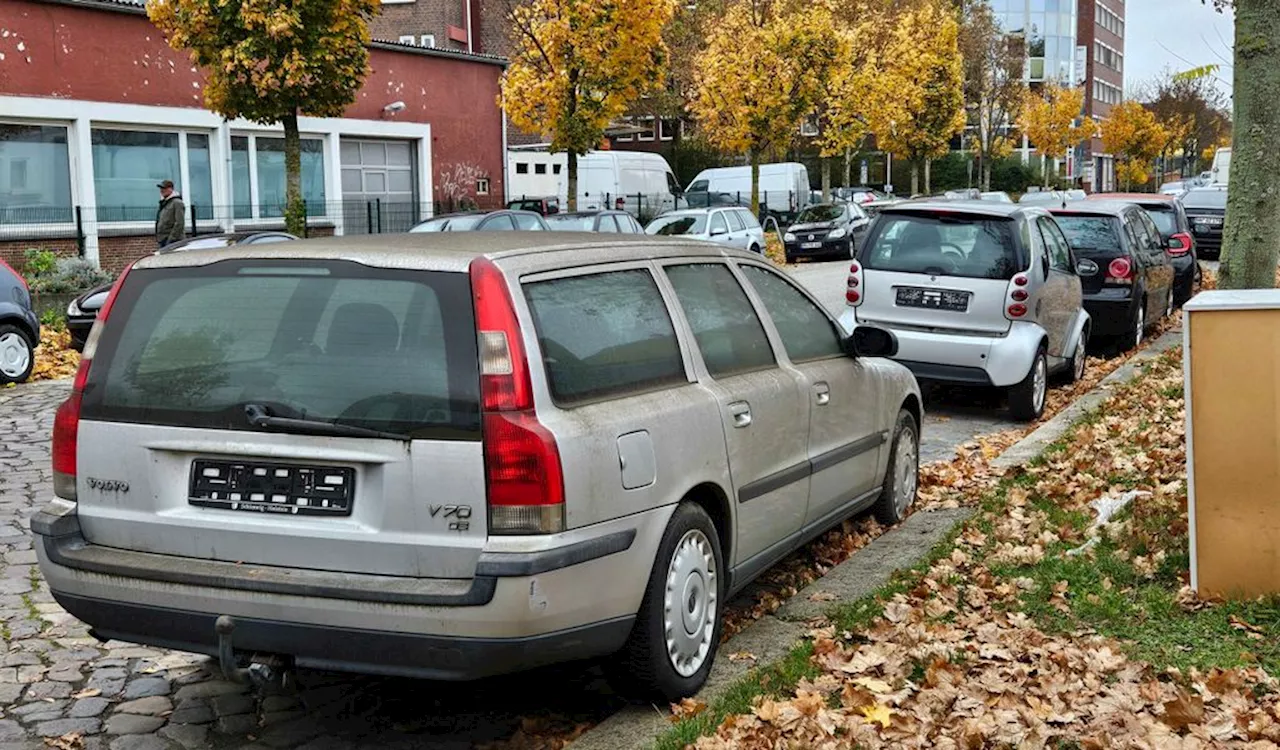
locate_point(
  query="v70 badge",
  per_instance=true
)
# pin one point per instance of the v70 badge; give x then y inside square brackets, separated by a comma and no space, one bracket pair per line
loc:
[461,515]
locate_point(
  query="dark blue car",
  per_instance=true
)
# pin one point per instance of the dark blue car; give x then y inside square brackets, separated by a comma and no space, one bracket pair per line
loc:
[19,327]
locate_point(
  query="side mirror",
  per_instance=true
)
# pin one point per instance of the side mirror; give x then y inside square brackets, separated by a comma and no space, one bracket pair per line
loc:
[869,341]
[719,231]
[1086,267]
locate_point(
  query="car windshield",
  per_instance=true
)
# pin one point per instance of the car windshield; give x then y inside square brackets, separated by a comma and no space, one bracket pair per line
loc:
[1164,218]
[1205,199]
[678,224]
[567,223]
[1090,235]
[337,341]
[970,246]
[819,214]
[449,224]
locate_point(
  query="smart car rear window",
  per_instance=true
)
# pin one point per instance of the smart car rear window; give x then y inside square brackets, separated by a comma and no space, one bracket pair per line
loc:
[953,244]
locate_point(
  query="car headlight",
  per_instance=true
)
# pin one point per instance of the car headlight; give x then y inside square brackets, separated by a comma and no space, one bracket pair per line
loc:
[788,237]
[73,309]
[838,233]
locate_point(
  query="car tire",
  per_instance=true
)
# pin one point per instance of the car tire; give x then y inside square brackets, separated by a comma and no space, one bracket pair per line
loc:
[17,354]
[1137,328]
[1026,399]
[689,560]
[1079,358]
[1169,305]
[755,249]
[902,475]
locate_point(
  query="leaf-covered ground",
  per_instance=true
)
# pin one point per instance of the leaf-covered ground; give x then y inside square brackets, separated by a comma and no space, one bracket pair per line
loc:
[1033,629]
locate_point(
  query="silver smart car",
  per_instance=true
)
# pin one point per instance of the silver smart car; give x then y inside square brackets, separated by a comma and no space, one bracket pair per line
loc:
[461,454]
[978,293]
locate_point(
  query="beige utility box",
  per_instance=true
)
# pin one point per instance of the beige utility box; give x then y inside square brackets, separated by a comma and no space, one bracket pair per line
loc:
[1231,361]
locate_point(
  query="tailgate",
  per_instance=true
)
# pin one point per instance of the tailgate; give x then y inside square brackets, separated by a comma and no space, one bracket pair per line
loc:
[936,302]
[300,413]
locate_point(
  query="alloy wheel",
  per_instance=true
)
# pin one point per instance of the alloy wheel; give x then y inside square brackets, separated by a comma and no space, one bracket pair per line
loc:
[1078,364]
[1039,383]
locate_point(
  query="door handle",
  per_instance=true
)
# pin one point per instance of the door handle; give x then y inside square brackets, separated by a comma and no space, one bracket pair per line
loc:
[822,394]
[741,412]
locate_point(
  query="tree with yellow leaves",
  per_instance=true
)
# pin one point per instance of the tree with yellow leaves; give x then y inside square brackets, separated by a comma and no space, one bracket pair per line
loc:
[576,65]
[926,109]
[1132,133]
[270,60]
[763,71]
[1052,120]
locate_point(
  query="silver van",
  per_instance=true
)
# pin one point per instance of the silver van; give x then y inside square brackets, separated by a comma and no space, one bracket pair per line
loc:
[461,454]
[979,293]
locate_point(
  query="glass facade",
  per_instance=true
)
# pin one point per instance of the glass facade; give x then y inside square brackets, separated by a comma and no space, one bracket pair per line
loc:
[1049,27]
[127,165]
[35,175]
[265,155]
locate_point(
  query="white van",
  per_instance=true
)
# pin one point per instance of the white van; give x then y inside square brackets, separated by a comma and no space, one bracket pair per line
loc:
[784,187]
[1221,166]
[638,182]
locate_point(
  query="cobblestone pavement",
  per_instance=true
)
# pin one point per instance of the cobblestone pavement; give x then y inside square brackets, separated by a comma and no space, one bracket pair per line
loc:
[55,680]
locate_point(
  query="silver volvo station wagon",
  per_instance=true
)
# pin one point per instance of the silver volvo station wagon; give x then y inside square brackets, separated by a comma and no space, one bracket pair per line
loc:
[453,456]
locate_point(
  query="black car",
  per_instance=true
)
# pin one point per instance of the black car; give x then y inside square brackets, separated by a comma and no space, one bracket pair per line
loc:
[1206,207]
[485,221]
[1171,219]
[19,327]
[83,310]
[826,230]
[1125,274]
[613,222]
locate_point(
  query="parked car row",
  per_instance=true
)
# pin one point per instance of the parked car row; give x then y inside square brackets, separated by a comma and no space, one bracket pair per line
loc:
[19,327]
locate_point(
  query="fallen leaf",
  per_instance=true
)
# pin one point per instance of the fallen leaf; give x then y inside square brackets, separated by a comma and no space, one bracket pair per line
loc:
[68,741]
[822,596]
[742,656]
[1183,711]
[686,708]
[879,713]
[87,693]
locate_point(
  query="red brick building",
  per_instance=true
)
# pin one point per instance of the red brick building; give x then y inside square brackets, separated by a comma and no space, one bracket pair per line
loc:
[95,108]
[1100,31]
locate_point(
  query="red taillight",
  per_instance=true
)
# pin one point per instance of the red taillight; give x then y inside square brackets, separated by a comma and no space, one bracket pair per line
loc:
[522,461]
[854,268]
[66,421]
[1119,268]
[1183,241]
[15,273]
[851,294]
[1019,295]
[852,297]
[852,281]
[1020,280]
[1017,310]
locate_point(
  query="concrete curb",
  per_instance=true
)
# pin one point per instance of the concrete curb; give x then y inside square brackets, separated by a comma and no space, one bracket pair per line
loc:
[770,638]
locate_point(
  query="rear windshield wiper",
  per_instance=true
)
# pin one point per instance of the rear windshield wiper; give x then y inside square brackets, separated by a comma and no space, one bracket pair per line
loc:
[260,416]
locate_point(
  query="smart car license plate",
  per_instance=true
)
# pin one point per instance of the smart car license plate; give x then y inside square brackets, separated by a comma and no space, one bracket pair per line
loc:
[933,299]
[810,245]
[272,488]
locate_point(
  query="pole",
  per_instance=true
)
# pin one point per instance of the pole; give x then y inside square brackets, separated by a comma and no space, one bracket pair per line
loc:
[79,231]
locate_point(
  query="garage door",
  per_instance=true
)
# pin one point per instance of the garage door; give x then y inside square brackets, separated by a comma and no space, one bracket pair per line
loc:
[379,180]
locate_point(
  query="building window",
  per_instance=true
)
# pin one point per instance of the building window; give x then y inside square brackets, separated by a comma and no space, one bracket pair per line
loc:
[625,138]
[271,178]
[539,168]
[647,133]
[428,40]
[482,186]
[555,169]
[522,167]
[127,165]
[667,129]
[35,175]
[409,39]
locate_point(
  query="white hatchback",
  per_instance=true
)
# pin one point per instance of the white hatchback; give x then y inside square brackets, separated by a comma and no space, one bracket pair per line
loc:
[730,226]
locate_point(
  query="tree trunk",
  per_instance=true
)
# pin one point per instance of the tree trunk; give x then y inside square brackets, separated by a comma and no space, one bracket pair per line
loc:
[915,178]
[928,176]
[986,177]
[755,183]
[1250,242]
[295,210]
[1044,167]
[848,167]
[826,179]
[573,182]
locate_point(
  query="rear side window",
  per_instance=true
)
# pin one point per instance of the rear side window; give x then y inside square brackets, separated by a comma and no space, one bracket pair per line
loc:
[607,224]
[724,323]
[498,224]
[749,220]
[717,223]
[735,221]
[604,335]
[806,332]
[330,341]
[527,223]
[974,247]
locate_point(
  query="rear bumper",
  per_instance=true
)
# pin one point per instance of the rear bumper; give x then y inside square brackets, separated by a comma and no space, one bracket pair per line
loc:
[522,608]
[1111,311]
[348,649]
[990,360]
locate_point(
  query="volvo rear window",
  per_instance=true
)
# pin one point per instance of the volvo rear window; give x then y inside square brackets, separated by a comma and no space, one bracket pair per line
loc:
[326,342]
[1091,236]
[964,245]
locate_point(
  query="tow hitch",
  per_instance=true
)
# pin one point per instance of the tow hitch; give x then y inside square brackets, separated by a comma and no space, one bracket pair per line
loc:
[264,670]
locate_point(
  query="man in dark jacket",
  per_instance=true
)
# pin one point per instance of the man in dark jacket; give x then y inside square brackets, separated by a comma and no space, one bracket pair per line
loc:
[170,216]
